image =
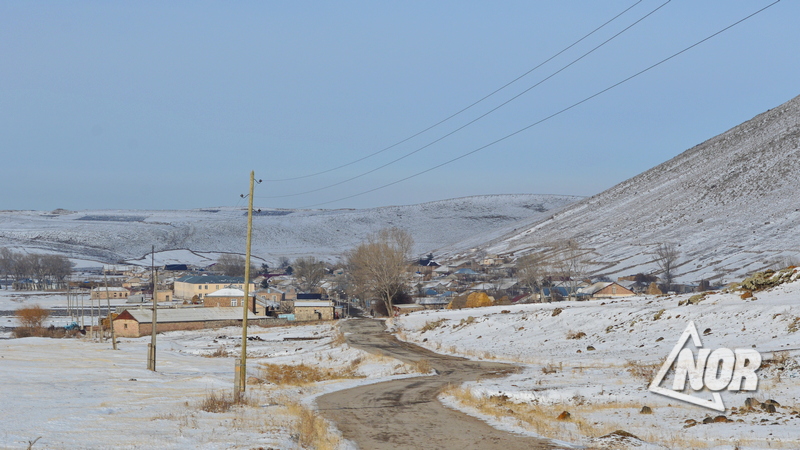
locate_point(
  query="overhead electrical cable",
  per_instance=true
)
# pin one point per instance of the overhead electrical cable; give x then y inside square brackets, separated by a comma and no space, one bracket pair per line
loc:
[419,149]
[551,115]
[461,110]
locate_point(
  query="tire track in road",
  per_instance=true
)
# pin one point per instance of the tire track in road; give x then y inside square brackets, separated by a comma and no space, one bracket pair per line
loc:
[405,414]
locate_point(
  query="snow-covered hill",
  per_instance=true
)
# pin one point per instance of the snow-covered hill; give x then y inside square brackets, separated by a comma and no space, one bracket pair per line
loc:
[115,235]
[730,203]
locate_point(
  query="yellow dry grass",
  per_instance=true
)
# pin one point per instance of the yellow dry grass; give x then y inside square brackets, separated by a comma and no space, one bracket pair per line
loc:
[642,371]
[422,366]
[303,374]
[311,429]
[218,402]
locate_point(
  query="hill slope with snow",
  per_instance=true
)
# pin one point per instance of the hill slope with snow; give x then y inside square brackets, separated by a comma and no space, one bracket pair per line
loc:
[730,203]
[114,235]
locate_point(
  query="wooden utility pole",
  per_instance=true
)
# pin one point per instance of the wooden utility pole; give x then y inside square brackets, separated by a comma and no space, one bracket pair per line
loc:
[95,326]
[151,347]
[240,373]
[110,315]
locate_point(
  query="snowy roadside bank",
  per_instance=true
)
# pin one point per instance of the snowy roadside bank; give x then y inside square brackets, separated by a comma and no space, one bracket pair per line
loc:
[595,359]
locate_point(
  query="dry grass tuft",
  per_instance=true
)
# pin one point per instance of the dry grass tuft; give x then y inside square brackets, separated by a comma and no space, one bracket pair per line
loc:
[338,339]
[422,366]
[220,402]
[311,430]
[642,371]
[220,352]
[794,325]
[433,325]
[575,334]
[551,368]
[302,374]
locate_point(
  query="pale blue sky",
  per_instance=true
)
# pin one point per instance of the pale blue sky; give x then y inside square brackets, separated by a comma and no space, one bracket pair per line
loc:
[169,105]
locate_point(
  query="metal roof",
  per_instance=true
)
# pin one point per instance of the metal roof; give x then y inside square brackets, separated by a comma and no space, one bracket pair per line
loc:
[227,292]
[206,279]
[190,314]
[313,303]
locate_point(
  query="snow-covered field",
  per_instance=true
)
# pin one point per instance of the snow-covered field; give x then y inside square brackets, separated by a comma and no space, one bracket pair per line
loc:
[80,393]
[595,359]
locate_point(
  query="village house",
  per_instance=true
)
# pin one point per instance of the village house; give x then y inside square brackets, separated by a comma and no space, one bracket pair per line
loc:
[134,283]
[605,289]
[435,302]
[305,310]
[139,322]
[103,293]
[271,294]
[258,304]
[229,297]
[189,286]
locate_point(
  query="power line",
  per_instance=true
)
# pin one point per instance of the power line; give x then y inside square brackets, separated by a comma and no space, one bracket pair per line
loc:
[477,118]
[460,111]
[551,115]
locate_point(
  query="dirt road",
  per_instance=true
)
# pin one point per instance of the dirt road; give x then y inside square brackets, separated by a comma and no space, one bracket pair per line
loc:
[405,414]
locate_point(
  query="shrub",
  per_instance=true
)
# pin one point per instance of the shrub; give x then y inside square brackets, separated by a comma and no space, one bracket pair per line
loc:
[32,317]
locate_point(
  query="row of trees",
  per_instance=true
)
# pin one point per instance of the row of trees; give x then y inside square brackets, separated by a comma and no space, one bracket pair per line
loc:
[45,270]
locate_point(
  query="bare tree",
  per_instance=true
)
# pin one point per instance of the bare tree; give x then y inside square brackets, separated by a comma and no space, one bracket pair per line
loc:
[379,266]
[232,265]
[56,267]
[530,271]
[6,262]
[309,272]
[570,263]
[666,257]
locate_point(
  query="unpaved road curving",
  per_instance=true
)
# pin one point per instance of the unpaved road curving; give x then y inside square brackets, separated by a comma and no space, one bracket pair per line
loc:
[405,414]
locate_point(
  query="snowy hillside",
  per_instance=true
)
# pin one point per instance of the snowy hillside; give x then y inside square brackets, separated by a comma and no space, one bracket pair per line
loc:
[114,235]
[730,203]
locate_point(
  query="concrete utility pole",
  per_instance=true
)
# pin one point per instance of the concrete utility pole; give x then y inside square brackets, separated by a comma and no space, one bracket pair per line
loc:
[240,375]
[151,347]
